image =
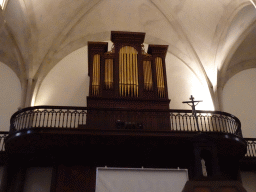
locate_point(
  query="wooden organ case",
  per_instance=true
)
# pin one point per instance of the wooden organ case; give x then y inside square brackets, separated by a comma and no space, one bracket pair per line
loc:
[127,78]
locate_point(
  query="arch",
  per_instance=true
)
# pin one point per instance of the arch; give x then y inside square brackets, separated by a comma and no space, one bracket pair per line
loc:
[226,50]
[227,44]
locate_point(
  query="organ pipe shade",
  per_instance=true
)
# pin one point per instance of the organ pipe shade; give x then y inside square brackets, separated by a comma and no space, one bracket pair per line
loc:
[96,75]
[109,73]
[128,72]
[160,77]
[147,72]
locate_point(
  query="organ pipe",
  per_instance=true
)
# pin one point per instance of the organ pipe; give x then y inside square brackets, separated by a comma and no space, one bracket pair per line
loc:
[128,72]
[160,77]
[96,75]
[147,71]
[109,73]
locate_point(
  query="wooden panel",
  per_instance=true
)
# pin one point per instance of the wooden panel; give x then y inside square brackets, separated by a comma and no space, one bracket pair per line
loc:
[75,178]
[202,189]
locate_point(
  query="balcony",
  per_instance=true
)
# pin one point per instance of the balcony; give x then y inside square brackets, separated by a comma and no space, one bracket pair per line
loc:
[55,117]
[47,127]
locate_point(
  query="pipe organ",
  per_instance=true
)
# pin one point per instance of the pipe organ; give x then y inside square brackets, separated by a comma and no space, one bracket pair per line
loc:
[127,75]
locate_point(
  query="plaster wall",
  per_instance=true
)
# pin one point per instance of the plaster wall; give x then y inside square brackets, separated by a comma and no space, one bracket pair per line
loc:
[239,99]
[67,84]
[10,95]
[248,179]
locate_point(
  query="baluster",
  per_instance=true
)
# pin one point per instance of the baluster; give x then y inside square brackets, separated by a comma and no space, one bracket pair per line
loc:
[233,125]
[46,116]
[49,121]
[207,129]
[71,119]
[190,123]
[60,123]
[249,149]
[171,121]
[186,121]
[230,128]
[64,118]
[55,119]
[179,122]
[77,118]
[254,148]
[182,124]
[23,117]
[226,125]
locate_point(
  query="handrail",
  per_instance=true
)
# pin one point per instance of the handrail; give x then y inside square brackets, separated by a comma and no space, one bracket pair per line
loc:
[3,135]
[251,147]
[148,119]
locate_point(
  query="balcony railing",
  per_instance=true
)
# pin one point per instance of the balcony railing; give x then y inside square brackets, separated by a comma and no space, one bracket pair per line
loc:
[167,120]
[251,148]
[3,135]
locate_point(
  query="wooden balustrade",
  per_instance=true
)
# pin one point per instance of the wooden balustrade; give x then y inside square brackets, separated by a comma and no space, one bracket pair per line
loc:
[251,148]
[179,121]
[113,118]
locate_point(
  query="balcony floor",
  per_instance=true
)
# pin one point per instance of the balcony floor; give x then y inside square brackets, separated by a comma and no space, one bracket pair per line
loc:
[118,147]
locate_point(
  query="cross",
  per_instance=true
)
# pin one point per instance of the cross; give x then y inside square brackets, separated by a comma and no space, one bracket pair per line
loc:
[193,104]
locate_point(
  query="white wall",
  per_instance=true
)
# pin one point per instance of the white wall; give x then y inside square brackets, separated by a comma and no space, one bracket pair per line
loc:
[67,84]
[10,95]
[249,181]
[182,83]
[239,99]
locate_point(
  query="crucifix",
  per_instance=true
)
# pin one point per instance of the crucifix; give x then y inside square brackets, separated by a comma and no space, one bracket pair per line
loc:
[193,104]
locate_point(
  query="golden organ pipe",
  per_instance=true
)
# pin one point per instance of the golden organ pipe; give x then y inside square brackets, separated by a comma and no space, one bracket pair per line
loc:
[109,76]
[96,74]
[157,70]
[128,73]
[127,69]
[136,73]
[93,68]
[150,75]
[147,75]
[125,63]
[120,71]
[134,70]
[160,76]
[131,73]
[97,83]
[108,73]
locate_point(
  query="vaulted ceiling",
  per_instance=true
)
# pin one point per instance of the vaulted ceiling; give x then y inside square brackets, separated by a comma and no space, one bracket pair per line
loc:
[214,39]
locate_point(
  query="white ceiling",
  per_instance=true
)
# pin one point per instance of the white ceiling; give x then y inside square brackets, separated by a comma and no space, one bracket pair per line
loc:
[213,38]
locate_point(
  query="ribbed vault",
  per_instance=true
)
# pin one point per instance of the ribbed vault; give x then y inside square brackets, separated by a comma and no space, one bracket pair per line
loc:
[206,36]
